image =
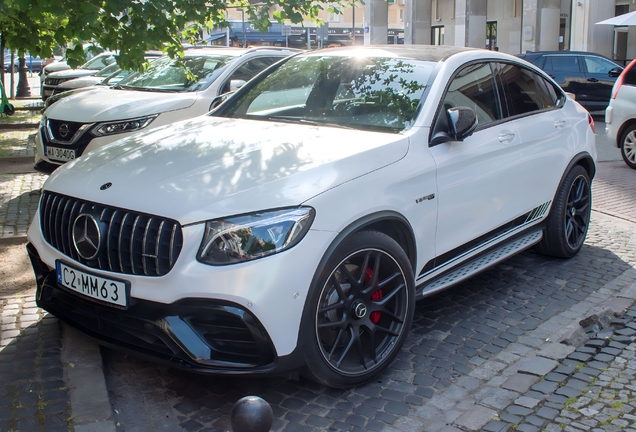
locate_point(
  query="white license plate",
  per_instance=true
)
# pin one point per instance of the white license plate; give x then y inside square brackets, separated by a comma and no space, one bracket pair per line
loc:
[95,287]
[60,153]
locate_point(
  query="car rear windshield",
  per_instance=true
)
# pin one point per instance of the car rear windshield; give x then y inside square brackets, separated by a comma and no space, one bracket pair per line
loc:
[192,73]
[368,93]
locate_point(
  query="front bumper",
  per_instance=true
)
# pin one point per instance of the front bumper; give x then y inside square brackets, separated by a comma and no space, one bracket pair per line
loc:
[200,335]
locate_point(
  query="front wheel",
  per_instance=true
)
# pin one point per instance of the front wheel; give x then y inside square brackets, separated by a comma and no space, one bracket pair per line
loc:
[359,312]
[569,217]
[628,146]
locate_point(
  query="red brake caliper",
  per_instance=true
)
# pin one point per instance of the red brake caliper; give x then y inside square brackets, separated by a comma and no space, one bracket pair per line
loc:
[376,296]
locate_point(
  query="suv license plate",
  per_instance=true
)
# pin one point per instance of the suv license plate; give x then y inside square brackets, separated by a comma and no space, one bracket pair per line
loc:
[96,287]
[60,154]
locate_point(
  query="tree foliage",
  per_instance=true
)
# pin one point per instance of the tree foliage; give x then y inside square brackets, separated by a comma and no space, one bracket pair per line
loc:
[132,27]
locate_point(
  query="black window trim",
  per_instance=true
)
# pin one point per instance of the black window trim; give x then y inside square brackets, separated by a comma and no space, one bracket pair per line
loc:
[499,88]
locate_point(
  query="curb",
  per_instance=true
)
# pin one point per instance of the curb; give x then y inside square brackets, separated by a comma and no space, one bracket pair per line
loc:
[13,240]
[18,126]
[84,376]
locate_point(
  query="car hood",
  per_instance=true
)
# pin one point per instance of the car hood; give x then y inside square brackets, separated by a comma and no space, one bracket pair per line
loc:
[55,67]
[211,167]
[72,73]
[81,82]
[116,104]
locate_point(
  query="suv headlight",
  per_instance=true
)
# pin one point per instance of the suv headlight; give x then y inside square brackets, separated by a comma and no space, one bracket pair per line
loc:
[248,237]
[122,126]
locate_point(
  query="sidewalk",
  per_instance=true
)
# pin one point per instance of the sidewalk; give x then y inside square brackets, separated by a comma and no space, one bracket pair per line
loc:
[38,382]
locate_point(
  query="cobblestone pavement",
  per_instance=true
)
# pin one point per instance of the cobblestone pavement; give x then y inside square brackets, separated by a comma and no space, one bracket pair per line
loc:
[592,389]
[19,196]
[614,190]
[465,343]
[33,396]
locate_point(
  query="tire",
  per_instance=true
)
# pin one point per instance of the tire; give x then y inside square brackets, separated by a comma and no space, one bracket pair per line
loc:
[359,311]
[569,217]
[628,146]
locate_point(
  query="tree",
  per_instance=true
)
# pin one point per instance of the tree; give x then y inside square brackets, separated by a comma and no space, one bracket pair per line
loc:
[132,27]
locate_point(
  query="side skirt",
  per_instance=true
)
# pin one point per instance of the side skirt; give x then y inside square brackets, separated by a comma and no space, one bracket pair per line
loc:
[480,262]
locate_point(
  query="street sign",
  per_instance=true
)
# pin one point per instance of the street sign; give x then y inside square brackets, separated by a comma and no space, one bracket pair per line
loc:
[286,30]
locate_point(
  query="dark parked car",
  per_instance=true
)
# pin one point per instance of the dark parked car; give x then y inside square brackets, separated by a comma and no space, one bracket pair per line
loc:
[589,76]
[34,64]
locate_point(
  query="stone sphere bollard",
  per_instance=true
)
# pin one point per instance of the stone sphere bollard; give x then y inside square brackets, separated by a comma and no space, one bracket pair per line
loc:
[251,414]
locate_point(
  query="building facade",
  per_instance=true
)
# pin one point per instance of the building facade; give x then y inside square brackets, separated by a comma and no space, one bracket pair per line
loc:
[511,26]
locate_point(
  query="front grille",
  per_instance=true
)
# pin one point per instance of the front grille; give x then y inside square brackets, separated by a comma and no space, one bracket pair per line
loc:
[131,242]
[54,81]
[60,133]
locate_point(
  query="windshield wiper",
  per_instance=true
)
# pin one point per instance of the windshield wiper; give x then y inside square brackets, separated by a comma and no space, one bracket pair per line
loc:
[301,120]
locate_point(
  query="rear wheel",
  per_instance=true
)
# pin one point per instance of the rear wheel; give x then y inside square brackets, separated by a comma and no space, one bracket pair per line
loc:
[359,312]
[628,146]
[569,217]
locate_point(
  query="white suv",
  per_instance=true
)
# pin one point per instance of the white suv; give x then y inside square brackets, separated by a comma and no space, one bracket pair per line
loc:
[163,94]
[295,226]
[620,115]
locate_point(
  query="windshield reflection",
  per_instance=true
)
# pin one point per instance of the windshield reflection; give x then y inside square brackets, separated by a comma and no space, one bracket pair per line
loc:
[371,93]
[188,74]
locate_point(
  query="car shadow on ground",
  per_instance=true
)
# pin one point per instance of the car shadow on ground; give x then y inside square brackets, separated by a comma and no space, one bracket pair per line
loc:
[453,332]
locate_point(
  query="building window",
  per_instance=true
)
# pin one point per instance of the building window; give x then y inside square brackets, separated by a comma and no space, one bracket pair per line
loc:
[491,36]
[401,15]
[437,35]
[333,17]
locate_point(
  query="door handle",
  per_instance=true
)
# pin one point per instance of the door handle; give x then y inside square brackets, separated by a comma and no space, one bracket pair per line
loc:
[592,80]
[559,124]
[506,136]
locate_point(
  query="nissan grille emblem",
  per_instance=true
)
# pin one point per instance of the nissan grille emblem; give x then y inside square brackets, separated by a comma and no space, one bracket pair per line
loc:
[105,186]
[64,130]
[87,237]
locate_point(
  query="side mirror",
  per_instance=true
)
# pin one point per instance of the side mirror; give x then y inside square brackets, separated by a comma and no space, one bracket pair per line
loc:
[615,72]
[236,84]
[218,100]
[462,121]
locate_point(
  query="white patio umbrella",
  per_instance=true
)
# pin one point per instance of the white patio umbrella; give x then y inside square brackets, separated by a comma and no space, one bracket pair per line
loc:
[628,19]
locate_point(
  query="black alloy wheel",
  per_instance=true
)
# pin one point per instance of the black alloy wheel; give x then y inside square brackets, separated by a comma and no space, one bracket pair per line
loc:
[363,311]
[569,218]
[577,213]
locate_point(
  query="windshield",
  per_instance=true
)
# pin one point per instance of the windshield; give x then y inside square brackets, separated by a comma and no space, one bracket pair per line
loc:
[99,62]
[108,70]
[166,74]
[371,93]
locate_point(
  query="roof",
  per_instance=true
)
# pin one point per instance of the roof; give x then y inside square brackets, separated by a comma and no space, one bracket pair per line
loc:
[434,53]
[235,51]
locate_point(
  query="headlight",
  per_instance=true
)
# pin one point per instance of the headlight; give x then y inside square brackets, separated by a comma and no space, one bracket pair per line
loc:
[248,237]
[122,126]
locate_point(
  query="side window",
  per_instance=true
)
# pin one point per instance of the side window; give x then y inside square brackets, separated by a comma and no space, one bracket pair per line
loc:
[249,70]
[566,63]
[474,87]
[600,65]
[522,94]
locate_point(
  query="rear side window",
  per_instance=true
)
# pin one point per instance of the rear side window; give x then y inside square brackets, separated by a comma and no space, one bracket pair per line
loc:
[567,63]
[549,95]
[629,76]
[522,96]
[474,87]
